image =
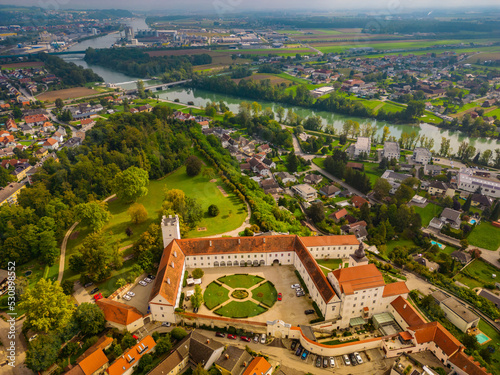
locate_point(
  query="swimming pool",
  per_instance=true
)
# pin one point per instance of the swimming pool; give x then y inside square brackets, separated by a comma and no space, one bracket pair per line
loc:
[482,338]
[441,246]
[472,221]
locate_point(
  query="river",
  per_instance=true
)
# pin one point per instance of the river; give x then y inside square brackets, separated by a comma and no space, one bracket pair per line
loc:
[201,97]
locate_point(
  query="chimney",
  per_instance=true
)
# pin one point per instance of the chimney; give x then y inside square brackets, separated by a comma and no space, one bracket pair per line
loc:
[172,264]
[404,307]
[239,241]
[227,356]
[175,253]
[210,243]
[244,363]
[208,341]
[168,280]
[264,239]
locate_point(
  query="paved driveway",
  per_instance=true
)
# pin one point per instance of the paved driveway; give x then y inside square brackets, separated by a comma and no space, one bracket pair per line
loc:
[141,298]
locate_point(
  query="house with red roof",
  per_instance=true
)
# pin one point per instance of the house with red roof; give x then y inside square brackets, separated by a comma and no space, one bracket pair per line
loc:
[128,361]
[358,201]
[51,144]
[120,315]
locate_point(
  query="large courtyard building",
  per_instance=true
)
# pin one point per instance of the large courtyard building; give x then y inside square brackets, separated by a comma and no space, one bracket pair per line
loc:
[336,296]
[467,181]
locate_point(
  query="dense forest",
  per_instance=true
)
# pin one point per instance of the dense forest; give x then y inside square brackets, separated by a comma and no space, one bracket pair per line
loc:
[137,63]
[150,141]
[264,90]
[70,73]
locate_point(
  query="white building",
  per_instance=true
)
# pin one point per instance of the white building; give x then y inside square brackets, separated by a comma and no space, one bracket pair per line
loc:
[362,145]
[421,155]
[391,150]
[305,191]
[468,182]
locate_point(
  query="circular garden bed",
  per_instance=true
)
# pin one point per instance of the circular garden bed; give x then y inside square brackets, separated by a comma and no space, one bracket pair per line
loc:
[239,294]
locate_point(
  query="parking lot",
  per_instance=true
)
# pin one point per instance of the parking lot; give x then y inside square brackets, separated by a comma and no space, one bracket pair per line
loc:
[290,309]
[141,298]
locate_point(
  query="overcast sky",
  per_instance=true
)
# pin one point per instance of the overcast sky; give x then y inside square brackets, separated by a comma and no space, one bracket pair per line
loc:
[241,5]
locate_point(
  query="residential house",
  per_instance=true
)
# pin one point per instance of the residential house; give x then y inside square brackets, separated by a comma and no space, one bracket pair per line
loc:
[95,363]
[120,315]
[27,129]
[265,148]
[432,170]
[145,108]
[183,116]
[329,191]
[357,229]
[305,191]
[358,201]
[128,361]
[362,146]
[204,125]
[394,179]
[461,256]
[20,170]
[35,120]
[9,193]
[448,216]
[269,163]
[391,150]
[51,144]
[481,201]
[259,366]
[455,311]
[338,215]
[11,125]
[313,179]
[233,361]
[41,152]
[87,122]
[269,183]
[431,266]
[72,142]
[58,137]
[7,141]
[421,155]
[437,188]
[354,165]
[48,127]
[285,177]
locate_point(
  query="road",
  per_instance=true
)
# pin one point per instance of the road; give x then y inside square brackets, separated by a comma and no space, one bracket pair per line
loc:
[20,349]
[63,252]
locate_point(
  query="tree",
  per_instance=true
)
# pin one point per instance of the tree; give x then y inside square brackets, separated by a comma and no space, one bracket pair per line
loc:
[137,213]
[199,370]
[178,333]
[47,307]
[131,184]
[292,162]
[5,177]
[96,257]
[385,134]
[381,188]
[280,111]
[198,273]
[145,361]
[90,318]
[193,166]
[213,210]
[470,342]
[93,214]
[197,297]
[67,286]
[445,147]
[140,89]
[47,246]
[317,212]
[163,345]
[59,103]
[467,204]
[495,213]
[127,341]
[208,173]
[42,352]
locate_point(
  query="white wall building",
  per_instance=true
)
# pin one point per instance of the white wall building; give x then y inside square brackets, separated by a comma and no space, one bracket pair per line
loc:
[391,150]
[305,191]
[421,155]
[362,145]
[468,182]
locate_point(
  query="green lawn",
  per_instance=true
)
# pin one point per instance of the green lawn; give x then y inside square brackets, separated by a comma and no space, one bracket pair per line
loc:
[265,294]
[495,342]
[478,269]
[428,212]
[320,162]
[331,264]
[215,295]
[486,236]
[244,281]
[338,342]
[372,171]
[240,310]
[400,242]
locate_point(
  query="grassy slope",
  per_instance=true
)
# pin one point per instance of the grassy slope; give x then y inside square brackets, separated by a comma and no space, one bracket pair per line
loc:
[486,236]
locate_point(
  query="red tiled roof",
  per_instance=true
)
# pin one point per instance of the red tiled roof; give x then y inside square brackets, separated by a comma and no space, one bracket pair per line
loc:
[258,366]
[121,365]
[35,118]
[339,214]
[330,240]
[395,289]
[434,331]
[467,364]
[93,362]
[118,312]
[50,142]
[358,278]
[358,201]
[407,312]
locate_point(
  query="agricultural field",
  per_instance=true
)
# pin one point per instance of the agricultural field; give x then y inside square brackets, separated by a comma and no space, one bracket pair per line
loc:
[20,65]
[74,92]
[275,79]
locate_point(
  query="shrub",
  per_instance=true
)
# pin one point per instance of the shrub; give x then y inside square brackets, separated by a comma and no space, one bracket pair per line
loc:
[178,333]
[318,311]
[193,166]
[198,273]
[213,210]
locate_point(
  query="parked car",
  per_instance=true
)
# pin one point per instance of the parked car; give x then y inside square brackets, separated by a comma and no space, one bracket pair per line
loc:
[98,296]
[148,280]
[304,355]
[126,297]
[231,336]
[318,361]
[300,294]
[219,334]
[88,284]
[309,312]
[94,291]
[358,357]
[347,362]
[256,338]
[332,362]
[195,310]
[131,294]
[298,351]
[353,359]
[263,338]
[152,277]
[280,296]
[244,338]
[294,345]
[325,361]
[166,324]
[143,283]
[33,337]
[295,286]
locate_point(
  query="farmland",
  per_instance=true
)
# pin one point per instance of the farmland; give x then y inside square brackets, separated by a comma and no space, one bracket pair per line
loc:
[75,92]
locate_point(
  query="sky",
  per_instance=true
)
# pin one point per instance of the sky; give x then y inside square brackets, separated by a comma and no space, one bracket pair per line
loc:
[235,6]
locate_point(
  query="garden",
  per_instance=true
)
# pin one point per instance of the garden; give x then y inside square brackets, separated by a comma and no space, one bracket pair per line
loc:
[240,296]
[485,236]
